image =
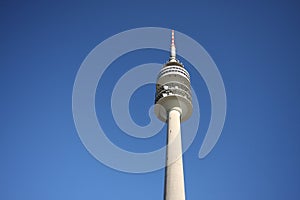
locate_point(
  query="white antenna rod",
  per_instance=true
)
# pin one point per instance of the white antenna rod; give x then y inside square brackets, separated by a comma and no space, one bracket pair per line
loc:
[173,48]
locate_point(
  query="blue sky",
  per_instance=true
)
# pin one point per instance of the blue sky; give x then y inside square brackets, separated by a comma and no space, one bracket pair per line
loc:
[255,45]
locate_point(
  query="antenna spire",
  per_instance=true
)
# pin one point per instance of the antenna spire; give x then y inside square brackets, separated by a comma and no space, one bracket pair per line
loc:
[173,48]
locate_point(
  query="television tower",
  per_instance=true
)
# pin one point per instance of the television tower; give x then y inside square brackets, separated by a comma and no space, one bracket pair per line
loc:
[173,105]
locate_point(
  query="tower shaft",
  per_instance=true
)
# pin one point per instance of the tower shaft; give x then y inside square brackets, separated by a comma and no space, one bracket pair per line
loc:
[174,178]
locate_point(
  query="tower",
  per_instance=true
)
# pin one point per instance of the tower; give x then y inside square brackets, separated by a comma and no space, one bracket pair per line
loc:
[173,105]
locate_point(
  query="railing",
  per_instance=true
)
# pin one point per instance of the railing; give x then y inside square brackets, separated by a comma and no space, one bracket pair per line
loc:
[171,69]
[173,89]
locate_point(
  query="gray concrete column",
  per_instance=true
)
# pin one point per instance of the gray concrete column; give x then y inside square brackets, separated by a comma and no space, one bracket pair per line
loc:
[174,178]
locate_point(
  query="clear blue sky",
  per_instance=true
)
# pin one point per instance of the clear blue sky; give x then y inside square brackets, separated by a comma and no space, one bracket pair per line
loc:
[255,45]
